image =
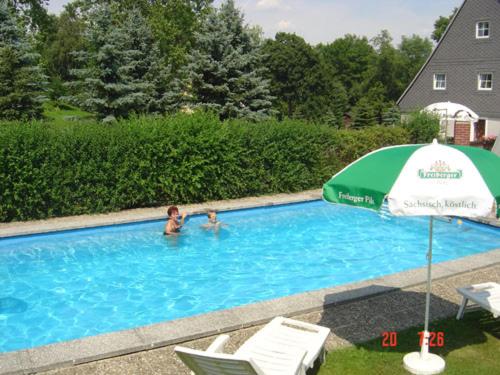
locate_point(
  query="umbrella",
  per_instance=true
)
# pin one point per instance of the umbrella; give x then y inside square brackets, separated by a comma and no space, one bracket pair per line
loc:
[422,180]
[449,110]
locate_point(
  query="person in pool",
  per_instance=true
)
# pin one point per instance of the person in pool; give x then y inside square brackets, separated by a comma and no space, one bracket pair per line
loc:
[213,223]
[173,225]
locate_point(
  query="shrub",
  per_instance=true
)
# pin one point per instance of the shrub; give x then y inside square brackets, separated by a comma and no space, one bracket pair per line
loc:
[51,169]
[422,126]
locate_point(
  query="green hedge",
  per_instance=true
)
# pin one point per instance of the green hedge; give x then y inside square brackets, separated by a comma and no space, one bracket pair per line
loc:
[56,170]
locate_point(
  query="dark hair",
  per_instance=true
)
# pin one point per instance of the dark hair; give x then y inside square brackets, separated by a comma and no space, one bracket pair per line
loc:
[171,210]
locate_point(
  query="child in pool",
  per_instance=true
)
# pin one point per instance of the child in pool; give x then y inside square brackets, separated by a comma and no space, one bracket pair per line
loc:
[213,223]
[173,225]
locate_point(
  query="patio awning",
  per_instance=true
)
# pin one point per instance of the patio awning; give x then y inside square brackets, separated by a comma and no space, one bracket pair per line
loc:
[452,111]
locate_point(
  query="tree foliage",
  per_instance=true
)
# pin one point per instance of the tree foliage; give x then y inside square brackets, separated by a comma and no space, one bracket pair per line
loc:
[198,56]
[351,57]
[173,22]
[422,126]
[440,26]
[32,12]
[391,115]
[288,60]
[304,84]
[225,73]
[414,52]
[119,69]
[22,81]
[58,50]
[363,114]
[387,67]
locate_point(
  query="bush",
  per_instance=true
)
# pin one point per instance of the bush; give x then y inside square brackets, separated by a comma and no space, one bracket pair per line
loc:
[68,169]
[422,126]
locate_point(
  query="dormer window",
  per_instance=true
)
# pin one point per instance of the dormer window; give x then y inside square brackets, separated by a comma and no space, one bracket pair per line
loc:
[482,30]
[439,81]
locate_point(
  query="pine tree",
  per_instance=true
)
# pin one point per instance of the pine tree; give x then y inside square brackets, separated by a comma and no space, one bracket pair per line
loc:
[121,71]
[339,104]
[363,114]
[22,81]
[391,116]
[224,73]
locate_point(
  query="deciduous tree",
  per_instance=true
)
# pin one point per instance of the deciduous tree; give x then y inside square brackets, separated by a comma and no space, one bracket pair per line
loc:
[440,25]
[414,52]
[351,57]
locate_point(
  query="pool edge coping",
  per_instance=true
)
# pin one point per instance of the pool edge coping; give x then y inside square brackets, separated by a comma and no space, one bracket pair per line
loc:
[25,228]
[93,348]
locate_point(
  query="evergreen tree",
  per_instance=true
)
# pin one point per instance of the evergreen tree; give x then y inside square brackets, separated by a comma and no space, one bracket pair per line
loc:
[224,73]
[143,67]
[339,103]
[22,81]
[363,114]
[121,70]
[391,116]
[377,97]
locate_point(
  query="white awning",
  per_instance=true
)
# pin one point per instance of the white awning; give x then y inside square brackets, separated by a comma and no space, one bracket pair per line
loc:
[452,111]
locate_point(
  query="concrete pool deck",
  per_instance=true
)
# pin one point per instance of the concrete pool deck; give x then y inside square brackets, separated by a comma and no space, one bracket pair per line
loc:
[355,312]
[144,214]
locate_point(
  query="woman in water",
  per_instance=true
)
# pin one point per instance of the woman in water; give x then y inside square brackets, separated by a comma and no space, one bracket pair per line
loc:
[173,225]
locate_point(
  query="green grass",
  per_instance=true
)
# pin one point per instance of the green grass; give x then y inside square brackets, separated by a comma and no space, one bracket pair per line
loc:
[59,113]
[471,346]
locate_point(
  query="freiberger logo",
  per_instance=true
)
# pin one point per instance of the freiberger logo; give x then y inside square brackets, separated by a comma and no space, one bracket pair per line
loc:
[440,170]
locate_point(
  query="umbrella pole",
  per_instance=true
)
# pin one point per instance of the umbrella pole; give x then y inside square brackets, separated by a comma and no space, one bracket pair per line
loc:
[425,341]
[423,362]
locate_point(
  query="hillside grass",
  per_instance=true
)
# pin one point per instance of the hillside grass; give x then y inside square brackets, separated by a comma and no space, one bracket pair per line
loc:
[62,113]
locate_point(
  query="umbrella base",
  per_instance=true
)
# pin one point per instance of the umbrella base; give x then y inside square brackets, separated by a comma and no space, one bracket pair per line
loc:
[416,364]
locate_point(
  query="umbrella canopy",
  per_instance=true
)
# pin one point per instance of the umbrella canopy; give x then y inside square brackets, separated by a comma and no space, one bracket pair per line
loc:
[421,180]
[449,110]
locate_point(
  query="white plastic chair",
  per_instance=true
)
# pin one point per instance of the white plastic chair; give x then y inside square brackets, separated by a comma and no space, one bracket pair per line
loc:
[282,347]
[486,295]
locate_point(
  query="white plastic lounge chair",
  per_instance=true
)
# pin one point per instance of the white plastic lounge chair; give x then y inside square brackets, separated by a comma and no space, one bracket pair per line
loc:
[282,347]
[486,295]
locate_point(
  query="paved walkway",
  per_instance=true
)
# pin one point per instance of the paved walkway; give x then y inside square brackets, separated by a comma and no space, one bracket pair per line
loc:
[142,214]
[350,322]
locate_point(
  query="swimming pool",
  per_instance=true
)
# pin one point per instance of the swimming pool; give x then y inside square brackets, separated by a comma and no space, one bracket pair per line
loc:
[67,285]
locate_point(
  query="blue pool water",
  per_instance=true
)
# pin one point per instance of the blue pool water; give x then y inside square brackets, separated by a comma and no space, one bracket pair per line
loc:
[72,284]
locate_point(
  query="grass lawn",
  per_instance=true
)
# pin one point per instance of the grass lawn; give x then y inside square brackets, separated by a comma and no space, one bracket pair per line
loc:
[63,113]
[471,346]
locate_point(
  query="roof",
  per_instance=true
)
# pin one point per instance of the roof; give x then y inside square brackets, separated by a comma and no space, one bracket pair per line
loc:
[432,53]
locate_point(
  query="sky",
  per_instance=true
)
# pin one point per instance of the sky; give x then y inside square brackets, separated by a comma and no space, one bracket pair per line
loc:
[322,21]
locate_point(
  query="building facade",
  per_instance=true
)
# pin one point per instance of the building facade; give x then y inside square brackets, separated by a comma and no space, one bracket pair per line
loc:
[464,68]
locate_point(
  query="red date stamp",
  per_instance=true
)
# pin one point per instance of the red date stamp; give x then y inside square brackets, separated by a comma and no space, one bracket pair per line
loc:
[390,339]
[436,339]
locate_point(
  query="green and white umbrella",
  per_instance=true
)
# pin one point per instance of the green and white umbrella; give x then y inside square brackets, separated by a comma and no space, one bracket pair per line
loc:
[430,180]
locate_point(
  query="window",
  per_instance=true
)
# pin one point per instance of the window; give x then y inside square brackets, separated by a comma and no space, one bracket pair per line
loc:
[485,81]
[439,81]
[482,30]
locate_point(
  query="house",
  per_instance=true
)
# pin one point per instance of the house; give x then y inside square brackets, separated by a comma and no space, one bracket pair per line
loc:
[464,68]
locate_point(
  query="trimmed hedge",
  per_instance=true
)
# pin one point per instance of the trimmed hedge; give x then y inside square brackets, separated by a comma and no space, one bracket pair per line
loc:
[56,170]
